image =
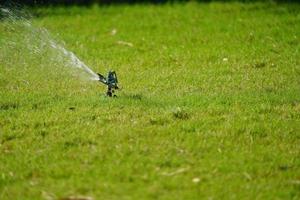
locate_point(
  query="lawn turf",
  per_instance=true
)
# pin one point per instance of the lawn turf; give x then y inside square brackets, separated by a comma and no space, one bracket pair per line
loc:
[209,106]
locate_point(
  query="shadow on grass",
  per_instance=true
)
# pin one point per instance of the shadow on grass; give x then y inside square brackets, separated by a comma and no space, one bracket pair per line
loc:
[109,2]
[57,7]
[130,99]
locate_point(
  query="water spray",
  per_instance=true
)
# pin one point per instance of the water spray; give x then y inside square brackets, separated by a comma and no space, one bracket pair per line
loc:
[38,41]
[111,81]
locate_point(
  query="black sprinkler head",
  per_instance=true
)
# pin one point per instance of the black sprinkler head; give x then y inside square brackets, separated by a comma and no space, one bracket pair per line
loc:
[111,81]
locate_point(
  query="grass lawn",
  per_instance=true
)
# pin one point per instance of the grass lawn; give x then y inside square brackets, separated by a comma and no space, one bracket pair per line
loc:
[209,106]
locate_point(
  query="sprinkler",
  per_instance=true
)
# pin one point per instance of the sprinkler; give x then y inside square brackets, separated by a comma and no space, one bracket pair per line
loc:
[111,81]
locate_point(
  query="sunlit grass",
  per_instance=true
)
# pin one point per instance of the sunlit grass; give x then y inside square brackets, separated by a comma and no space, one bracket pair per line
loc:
[209,106]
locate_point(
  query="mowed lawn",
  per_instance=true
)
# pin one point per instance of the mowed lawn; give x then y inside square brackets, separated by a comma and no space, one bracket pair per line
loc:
[209,106]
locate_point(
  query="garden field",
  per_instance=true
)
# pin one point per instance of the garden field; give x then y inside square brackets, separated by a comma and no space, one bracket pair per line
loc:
[209,106]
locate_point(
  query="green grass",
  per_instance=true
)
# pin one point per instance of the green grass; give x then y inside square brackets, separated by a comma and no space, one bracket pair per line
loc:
[209,106]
